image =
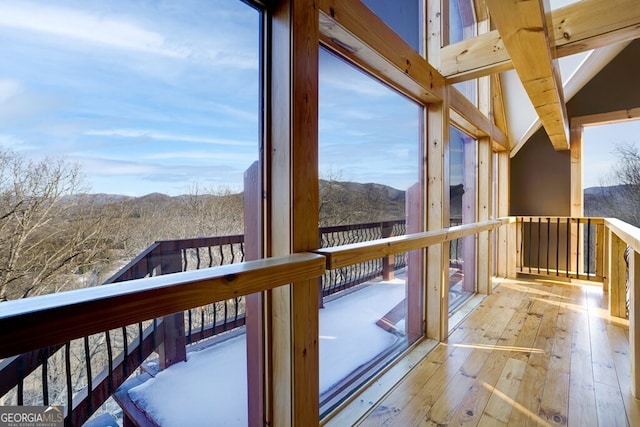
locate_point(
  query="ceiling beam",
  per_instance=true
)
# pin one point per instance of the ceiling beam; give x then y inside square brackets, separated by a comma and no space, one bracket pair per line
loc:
[578,27]
[524,30]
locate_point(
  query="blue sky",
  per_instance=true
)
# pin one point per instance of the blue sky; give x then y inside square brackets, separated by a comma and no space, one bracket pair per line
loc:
[154,96]
[146,96]
[598,149]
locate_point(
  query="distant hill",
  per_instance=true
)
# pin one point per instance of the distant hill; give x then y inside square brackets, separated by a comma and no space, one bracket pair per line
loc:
[617,201]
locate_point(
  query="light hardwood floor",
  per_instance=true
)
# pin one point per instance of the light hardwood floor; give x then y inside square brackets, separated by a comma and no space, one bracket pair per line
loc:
[532,353]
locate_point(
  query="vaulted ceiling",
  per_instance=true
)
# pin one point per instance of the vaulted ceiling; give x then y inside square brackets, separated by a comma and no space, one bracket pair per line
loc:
[530,38]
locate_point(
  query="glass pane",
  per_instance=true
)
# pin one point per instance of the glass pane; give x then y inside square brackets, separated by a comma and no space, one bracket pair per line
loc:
[463,198]
[141,122]
[369,170]
[462,20]
[403,16]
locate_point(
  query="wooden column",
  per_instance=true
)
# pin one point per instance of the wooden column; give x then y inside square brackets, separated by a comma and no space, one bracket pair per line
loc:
[437,295]
[255,309]
[437,120]
[470,213]
[634,322]
[617,276]
[485,202]
[293,210]
[506,248]
[415,264]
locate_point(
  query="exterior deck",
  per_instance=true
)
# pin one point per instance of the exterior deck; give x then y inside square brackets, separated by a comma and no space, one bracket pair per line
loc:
[532,353]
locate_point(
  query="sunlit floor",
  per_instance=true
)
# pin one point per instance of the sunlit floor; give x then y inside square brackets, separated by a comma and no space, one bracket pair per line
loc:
[531,354]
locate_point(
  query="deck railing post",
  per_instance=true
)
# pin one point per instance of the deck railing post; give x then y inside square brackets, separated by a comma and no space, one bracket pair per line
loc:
[617,276]
[173,348]
[634,321]
[388,263]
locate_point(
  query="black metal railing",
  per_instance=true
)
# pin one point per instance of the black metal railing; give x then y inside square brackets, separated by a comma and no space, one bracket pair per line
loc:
[82,374]
[561,247]
[341,279]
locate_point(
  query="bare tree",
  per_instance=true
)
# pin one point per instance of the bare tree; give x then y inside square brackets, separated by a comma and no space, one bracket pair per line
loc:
[49,233]
[623,198]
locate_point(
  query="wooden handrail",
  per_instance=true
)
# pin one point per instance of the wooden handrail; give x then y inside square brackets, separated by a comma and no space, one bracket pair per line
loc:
[626,232]
[345,255]
[46,320]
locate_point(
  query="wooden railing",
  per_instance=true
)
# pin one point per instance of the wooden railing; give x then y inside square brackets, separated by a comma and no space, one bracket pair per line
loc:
[52,321]
[124,350]
[561,247]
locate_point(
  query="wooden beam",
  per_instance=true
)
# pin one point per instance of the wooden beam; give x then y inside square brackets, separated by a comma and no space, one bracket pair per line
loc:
[351,29]
[293,184]
[523,28]
[472,121]
[354,253]
[578,27]
[591,24]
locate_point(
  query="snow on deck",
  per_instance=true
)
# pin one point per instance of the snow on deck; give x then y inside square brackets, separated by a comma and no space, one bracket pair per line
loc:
[210,388]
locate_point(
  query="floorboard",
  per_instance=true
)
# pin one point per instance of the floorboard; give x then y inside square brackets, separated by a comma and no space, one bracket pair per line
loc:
[532,353]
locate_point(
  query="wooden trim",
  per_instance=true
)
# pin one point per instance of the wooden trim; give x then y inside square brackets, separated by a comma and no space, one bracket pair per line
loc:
[627,232]
[634,322]
[474,122]
[47,320]
[354,253]
[606,118]
[577,194]
[578,27]
[293,310]
[523,28]
[351,29]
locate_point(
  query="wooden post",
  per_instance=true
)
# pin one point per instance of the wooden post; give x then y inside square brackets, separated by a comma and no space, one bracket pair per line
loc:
[617,276]
[485,241]
[173,348]
[388,263]
[504,246]
[437,209]
[634,322]
[469,214]
[415,265]
[292,156]
[254,319]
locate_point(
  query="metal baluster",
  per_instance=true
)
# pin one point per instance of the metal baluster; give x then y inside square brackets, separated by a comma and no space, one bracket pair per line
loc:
[568,243]
[110,361]
[125,352]
[190,323]
[140,332]
[20,369]
[538,260]
[87,360]
[185,259]
[67,365]
[548,241]
[221,255]
[235,319]
[226,314]
[578,249]
[210,257]
[529,245]
[558,246]
[44,360]
[215,317]
[197,258]
[242,252]
[233,254]
[202,321]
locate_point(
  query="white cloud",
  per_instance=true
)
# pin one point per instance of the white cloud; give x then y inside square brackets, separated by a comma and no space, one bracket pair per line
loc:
[161,136]
[84,26]
[10,141]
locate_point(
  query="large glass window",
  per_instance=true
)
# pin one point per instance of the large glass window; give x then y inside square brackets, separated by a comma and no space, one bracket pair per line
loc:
[463,179]
[403,16]
[121,124]
[370,188]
